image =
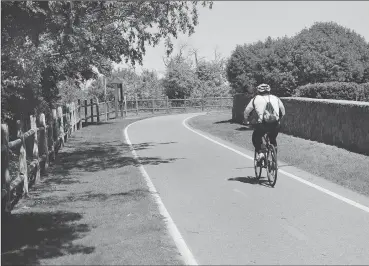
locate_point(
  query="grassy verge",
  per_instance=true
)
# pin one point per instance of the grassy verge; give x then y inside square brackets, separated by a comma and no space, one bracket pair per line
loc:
[337,165]
[93,208]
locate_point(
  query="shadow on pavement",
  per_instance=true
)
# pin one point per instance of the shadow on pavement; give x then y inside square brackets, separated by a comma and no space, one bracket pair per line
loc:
[284,165]
[251,180]
[41,229]
[246,167]
[28,237]
[146,145]
[225,121]
[131,195]
[92,157]
[244,129]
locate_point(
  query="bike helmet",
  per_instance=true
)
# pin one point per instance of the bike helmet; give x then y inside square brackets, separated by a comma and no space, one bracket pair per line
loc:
[263,88]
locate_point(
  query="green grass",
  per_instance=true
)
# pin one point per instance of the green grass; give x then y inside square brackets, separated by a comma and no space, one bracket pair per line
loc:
[337,165]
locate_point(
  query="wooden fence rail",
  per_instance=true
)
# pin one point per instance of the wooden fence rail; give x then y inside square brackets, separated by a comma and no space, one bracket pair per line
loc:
[38,146]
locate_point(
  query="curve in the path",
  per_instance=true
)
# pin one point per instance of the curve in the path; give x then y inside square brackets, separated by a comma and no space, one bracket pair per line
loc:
[225,217]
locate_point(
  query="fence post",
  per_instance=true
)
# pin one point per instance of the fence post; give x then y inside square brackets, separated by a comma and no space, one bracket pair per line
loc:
[107,110]
[185,109]
[35,153]
[121,100]
[136,104]
[23,169]
[152,105]
[53,133]
[76,115]
[125,104]
[79,115]
[116,102]
[167,103]
[73,116]
[92,110]
[97,110]
[67,121]
[61,125]
[70,112]
[86,113]
[70,125]
[44,149]
[221,102]
[202,103]
[5,176]
[121,106]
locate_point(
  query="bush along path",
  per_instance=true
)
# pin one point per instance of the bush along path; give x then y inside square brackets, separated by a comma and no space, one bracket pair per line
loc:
[93,207]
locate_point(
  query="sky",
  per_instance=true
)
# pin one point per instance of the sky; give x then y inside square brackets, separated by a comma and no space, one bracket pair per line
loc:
[230,23]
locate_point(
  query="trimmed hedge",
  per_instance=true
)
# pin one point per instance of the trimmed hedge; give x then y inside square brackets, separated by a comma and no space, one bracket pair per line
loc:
[335,122]
[335,90]
[240,100]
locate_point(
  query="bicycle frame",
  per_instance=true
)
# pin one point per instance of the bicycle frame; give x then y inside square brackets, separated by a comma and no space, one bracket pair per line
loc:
[270,165]
[266,163]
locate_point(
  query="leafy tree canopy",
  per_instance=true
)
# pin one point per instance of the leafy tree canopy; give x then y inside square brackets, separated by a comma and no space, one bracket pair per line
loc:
[180,79]
[326,52]
[44,42]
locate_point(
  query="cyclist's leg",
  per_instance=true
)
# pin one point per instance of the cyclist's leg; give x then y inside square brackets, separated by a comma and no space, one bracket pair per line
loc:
[273,133]
[256,137]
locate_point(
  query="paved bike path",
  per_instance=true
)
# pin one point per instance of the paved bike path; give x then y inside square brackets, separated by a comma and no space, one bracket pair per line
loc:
[237,222]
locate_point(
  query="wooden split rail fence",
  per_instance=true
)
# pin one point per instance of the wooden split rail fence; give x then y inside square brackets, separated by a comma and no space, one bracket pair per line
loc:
[113,109]
[37,146]
[169,105]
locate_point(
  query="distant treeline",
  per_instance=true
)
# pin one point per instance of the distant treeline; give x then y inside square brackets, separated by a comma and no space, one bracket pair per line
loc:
[326,52]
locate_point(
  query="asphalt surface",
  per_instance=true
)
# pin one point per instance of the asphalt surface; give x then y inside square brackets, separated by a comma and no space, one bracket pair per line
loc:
[225,217]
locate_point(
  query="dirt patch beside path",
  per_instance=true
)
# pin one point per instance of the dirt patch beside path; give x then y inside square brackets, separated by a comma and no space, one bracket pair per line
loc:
[93,208]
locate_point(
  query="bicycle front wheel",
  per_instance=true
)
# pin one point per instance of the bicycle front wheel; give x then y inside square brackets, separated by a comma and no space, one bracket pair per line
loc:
[257,166]
[272,165]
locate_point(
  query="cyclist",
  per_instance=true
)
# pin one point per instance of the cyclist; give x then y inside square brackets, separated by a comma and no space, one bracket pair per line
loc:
[270,110]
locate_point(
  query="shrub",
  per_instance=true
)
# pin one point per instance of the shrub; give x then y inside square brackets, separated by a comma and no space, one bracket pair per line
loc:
[364,92]
[335,90]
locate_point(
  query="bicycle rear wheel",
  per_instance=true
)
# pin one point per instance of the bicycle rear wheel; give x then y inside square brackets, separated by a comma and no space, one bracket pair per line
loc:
[272,165]
[257,166]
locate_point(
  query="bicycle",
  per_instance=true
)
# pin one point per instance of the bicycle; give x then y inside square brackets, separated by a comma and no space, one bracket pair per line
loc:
[269,162]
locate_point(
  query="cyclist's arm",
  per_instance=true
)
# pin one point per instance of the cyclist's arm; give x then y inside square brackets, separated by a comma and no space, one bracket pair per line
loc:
[282,110]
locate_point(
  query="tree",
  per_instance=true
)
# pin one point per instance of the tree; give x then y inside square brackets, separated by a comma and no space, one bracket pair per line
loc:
[243,67]
[211,79]
[326,52]
[151,86]
[46,42]
[180,79]
[69,91]
[329,52]
[96,90]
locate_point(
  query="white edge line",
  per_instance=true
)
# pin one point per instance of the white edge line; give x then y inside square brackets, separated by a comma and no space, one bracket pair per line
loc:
[182,247]
[324,190]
